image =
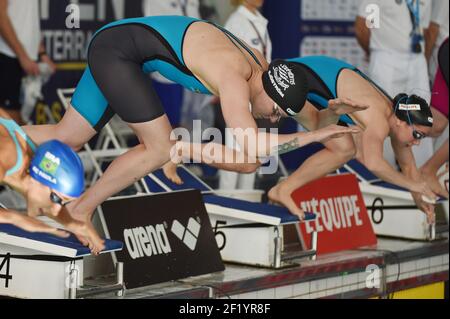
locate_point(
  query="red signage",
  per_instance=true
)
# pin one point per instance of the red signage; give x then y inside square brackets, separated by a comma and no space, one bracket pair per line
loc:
[342,221]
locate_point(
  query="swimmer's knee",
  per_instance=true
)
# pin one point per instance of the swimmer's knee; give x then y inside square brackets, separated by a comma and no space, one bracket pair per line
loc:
[60,133]
[438,128]
[344,148]
[349,152]
[72,144]
[162,149]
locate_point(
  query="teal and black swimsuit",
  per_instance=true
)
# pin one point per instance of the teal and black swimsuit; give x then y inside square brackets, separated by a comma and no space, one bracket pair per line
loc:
[121,55]
[323,73]
[13,129]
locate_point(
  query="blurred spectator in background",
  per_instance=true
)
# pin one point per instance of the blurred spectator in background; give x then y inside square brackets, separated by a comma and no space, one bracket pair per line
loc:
[436,34]
[440,109]
[248,24]
[396,50]
[437,55]
[20,51]
[188,8]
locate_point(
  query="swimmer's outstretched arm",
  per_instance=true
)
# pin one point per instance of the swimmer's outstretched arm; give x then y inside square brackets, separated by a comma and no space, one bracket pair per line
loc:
[29,224]
[312,119]
[83,230]
[338,107]
[235,97]
[215,155]
[372,157]
[225,158]
[407,163]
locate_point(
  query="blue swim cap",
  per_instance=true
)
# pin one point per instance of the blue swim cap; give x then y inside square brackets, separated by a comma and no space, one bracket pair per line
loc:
[57,166]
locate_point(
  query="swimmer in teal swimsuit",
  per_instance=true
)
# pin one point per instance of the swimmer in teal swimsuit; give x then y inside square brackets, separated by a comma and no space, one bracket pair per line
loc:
[405,119]
[48,176]
[197,54]
[331,83]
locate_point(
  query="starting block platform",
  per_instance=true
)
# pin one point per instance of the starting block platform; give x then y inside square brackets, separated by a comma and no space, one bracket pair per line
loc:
[389,206]
[30,261]
[246,232]
[157,182]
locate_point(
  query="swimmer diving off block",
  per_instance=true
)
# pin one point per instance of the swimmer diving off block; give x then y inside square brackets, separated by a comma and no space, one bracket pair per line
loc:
[200,56]
[406,119]
[48,176]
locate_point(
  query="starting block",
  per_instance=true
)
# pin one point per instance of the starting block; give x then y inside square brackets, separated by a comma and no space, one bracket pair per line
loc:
[392,209]
[246,232]
[43,266]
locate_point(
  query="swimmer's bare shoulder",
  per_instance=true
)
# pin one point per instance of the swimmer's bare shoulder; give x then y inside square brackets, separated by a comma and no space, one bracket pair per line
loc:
[211,55]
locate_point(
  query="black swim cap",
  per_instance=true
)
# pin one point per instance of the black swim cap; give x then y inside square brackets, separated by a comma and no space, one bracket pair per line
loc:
[412,109]
[286,84]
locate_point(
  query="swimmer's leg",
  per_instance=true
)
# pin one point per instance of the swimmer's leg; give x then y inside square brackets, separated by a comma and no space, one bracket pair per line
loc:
[430,169]
[440,123]
[337,152]
[73,129]
[151,154]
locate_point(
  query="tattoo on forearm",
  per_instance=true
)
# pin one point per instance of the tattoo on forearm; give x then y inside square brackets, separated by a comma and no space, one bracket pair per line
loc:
[286,147]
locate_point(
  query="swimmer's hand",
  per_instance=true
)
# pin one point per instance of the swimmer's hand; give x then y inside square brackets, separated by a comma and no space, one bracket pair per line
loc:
[170,171]
[425,191]
[34,225]
[342,106]
[424,198]
[334,131]
[425,207]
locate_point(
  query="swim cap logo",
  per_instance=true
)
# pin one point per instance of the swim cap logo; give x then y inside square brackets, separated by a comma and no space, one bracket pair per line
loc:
[290,111]
[431,120]
[282,78]
[50,163]
[409,107]
[277,88]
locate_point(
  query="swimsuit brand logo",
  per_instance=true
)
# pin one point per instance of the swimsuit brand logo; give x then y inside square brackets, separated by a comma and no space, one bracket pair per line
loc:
[409,107]
[146,241]
[188,235]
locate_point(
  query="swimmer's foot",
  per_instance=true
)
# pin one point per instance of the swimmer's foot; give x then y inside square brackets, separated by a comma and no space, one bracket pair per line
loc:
[88,236]
[283,198]
[170,171]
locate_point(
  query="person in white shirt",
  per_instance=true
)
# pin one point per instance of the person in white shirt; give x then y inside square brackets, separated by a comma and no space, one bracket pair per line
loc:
[436,33]
[248,24]
[396,49]
[20,49]
[189,8]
